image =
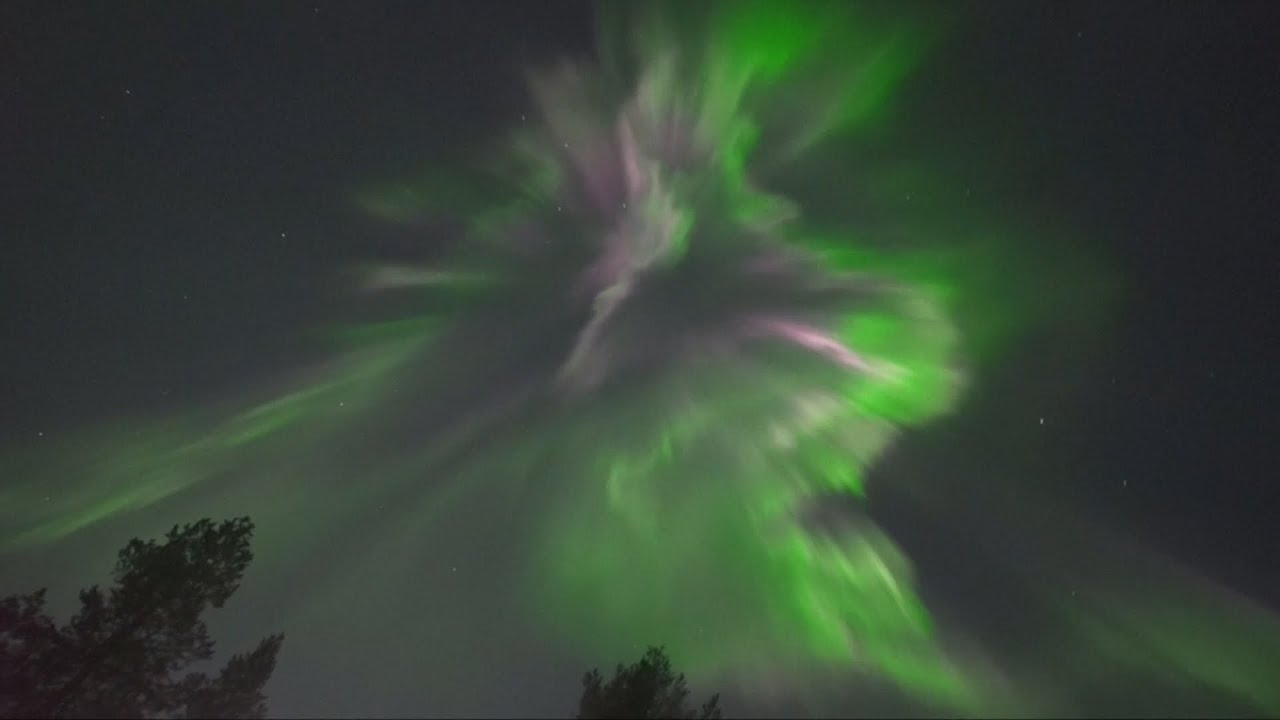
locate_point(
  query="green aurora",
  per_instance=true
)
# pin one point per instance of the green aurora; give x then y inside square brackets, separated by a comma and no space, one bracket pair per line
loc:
[658,403]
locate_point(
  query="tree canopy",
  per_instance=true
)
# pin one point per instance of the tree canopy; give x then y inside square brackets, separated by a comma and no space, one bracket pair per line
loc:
[647,689]
[124,653]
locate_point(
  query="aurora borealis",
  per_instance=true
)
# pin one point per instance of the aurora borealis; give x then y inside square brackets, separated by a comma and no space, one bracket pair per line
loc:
[676,355]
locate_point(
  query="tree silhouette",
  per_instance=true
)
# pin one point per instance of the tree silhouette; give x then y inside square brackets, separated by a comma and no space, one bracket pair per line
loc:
[122,654]
[646,689]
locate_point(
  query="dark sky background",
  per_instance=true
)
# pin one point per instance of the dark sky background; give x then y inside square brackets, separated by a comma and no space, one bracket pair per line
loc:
[174,213]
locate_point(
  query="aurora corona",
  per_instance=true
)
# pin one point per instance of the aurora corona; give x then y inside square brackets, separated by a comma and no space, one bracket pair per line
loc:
[724,371]
[663,371]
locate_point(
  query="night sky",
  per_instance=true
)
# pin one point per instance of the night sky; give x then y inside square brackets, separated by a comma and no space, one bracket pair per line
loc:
[176,219]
